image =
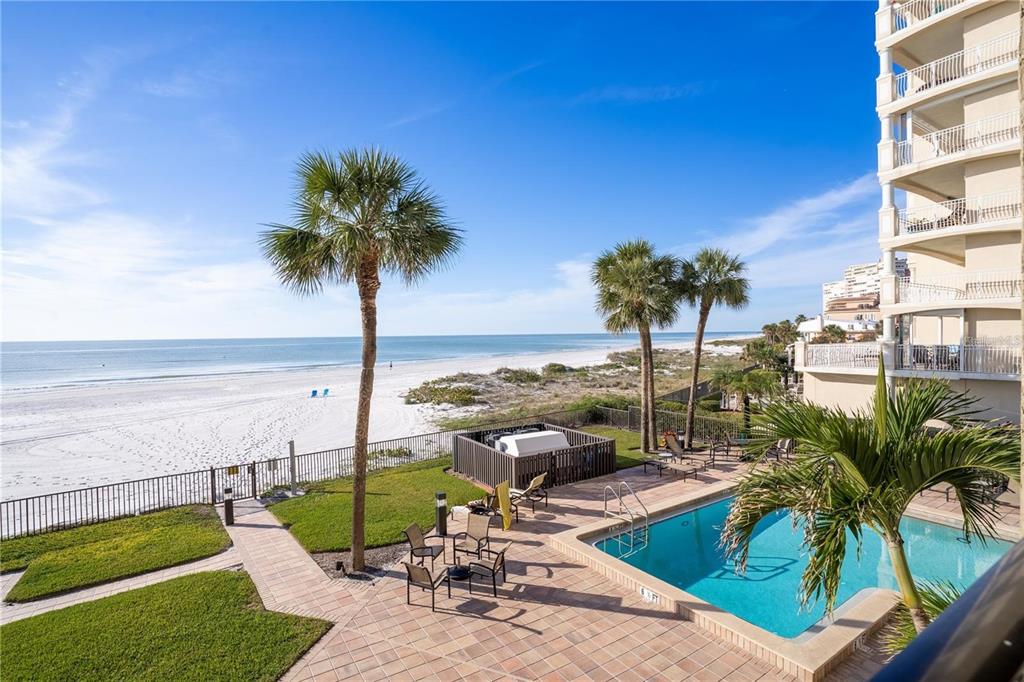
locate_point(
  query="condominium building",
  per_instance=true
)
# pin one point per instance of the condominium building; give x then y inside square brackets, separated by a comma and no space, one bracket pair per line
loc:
[861,280]
[949,169]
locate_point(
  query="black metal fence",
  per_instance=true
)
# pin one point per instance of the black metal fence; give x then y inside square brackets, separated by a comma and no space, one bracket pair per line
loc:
[54,511]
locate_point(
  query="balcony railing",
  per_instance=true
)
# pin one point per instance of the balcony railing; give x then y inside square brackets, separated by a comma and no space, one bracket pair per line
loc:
[841,355]
[979,134]
[970,358]
[963,64]
[986,208]
[963,286]
[909,13]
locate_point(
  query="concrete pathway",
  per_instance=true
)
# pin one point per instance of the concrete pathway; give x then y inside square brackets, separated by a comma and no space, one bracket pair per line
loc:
[11,612]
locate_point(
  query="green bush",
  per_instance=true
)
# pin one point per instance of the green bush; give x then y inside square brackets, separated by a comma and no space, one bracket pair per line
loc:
[437,392]
[518,376]
[670,406]
[556,368]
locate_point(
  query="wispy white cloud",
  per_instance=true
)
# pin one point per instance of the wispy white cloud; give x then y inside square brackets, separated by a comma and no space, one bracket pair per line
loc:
[183,84]
[421,115]
[631,94]
[810,240]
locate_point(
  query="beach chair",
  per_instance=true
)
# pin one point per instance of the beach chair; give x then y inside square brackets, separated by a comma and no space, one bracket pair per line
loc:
[533,492]
[314,394]
[325,392]
[681,453]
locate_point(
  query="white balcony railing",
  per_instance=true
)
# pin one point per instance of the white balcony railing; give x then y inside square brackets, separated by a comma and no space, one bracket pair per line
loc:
[984,132]
[907,14]
[998,207]
[976,357]
[961,286]
[968,62]
[841,354]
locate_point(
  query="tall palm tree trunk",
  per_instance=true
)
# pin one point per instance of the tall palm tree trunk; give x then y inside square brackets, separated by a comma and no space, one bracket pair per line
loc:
[368,283]
[698,342]
[648,416]
[908,589]
[645,407]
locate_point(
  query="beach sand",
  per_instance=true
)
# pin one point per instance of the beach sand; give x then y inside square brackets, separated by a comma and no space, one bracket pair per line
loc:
[65,438]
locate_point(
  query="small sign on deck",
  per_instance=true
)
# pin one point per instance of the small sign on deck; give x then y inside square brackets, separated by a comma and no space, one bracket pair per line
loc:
[233,471]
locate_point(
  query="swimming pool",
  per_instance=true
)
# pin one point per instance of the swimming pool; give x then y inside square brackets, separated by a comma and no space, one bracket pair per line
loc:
[683,551]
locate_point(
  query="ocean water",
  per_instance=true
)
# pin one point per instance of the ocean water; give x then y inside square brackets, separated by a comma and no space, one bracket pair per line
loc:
[683,550]
[57,363]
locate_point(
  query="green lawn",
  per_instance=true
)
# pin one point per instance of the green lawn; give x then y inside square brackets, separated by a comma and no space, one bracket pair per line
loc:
[206,626]
[627,445]
[65,560]
[321,520]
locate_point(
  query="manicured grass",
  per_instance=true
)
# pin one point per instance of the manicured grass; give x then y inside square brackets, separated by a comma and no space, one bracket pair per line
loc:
[80,557]
[206,626]
[627,445]
[321,520]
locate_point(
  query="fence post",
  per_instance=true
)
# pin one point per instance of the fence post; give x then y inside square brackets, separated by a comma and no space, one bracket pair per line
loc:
[291,467]
[213,486]
[252,477]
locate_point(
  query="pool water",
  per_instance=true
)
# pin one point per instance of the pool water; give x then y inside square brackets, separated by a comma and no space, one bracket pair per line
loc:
[683,550]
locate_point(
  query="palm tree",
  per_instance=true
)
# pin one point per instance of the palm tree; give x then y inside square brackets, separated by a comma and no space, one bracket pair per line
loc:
[830,333]
[710,278]
[863,471]
[757,383]
[358,214]
[637,288]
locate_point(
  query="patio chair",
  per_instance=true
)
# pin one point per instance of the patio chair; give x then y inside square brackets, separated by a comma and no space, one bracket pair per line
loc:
[489,569]
[658,464]
[533,492]
[421,577]
[489,506]
[418,546]
[680,452]
[474,539]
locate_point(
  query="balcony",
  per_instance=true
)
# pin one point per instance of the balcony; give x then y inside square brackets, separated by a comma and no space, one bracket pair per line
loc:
[959,66]
[841,355]
[974,136]
[999,357]
[956,289]
[985,209]
[913,12]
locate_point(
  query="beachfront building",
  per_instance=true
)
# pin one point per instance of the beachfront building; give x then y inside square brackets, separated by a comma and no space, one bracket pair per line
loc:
[949,169]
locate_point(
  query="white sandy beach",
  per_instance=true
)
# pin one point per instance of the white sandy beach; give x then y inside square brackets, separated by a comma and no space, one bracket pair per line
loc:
[65,438]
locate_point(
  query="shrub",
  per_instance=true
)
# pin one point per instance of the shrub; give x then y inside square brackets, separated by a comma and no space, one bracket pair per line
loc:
[437,393]
[556,368]
[518,376]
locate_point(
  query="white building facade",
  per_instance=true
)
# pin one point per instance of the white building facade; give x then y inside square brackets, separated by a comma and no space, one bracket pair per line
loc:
[949,170]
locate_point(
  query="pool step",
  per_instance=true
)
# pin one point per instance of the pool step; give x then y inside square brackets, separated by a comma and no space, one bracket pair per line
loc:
[636,516]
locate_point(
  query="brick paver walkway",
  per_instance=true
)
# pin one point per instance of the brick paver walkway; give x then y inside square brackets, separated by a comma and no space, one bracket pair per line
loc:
[11,612]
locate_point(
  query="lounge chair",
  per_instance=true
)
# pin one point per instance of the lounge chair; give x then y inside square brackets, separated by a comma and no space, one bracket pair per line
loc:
[782,449]
[489,569]
[533,492]
[313,395]
[418,546]
[659,464]
[326,391]
[490,506]
[681,453]
[474,539]
[421,577]
[687,469]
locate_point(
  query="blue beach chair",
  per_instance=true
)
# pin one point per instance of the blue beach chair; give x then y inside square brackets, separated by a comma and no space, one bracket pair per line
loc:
[314,394]
[325,392]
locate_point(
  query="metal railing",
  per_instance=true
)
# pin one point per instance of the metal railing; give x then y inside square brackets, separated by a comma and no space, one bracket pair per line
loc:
[67,509]
[964,286]
[987,208]
[841,354]
[974,358]
[970,61]
[979,134]
[909,13]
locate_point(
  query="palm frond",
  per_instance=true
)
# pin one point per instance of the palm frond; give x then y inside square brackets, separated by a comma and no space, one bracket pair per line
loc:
[899,632]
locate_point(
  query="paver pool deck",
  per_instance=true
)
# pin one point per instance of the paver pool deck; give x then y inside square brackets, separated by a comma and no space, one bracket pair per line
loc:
[554,619]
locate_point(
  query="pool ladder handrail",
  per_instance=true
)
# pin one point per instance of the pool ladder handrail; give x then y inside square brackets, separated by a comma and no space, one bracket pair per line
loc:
[625,513]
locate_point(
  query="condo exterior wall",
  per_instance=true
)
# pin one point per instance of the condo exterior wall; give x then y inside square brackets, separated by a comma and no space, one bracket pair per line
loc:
[950,176]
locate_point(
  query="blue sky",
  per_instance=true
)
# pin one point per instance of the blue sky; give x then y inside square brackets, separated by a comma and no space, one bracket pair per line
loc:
[144,145]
